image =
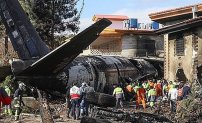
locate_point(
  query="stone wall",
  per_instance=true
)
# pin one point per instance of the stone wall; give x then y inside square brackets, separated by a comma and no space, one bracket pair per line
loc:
[189,61]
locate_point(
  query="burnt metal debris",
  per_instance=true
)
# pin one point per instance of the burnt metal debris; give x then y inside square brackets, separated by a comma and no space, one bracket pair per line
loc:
[136,117]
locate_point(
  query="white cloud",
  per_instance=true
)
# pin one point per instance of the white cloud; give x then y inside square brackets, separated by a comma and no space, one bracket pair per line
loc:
[84,23]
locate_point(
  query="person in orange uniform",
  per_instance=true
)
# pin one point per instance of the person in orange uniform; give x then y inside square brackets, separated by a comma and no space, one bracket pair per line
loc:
[158,88]
[140,96]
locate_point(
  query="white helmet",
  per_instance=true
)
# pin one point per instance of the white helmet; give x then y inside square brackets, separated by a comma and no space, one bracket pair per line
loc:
[84,84]
[21,86]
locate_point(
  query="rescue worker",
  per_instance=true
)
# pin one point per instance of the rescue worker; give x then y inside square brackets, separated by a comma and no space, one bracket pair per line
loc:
[151,83]
[18,103]
[8,107]
[129,91]
[4,98]
[140,96]
[83,104]
[146,87]
[75,96]
[180,92]
[186,90]
[118,93]
[172,96]
[170,85]
[158,88]
[89,89]
[152,97]
[165,90]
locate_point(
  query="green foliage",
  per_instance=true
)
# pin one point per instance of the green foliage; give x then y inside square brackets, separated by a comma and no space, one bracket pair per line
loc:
[27,5]
[51,18]
[8,82]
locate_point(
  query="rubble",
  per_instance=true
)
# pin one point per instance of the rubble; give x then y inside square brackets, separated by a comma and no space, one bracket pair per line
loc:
[190,109]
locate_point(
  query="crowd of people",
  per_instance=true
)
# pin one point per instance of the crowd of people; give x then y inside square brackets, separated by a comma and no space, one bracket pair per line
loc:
[145,94]
[148,93]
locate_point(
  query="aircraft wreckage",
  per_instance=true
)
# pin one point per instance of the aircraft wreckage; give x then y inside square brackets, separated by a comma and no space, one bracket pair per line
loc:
[53,71]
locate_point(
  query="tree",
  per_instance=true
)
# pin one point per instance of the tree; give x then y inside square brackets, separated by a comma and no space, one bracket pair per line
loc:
[53,18]
[60,16]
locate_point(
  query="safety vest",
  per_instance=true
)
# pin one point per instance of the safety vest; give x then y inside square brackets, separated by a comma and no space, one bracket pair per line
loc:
[165,88]
[74,92]
[152,92]
[170,86]
[136,88]
[8,91]
[118,90]
[145,85]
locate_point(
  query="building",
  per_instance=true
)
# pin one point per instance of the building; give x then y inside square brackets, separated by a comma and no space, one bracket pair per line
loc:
[182,42]
[126,37]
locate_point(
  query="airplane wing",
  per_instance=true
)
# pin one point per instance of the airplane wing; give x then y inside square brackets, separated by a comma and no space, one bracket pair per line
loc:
[56,60]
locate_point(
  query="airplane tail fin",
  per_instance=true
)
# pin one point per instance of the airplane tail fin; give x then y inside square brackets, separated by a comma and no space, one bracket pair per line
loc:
[25,40]
[56,60]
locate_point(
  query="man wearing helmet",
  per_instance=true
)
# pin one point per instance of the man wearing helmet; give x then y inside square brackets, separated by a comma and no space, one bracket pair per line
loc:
[18,100]
[83,104]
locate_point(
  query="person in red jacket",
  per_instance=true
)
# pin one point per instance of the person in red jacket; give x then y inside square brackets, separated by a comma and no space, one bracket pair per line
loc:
[4,98]
[75,96]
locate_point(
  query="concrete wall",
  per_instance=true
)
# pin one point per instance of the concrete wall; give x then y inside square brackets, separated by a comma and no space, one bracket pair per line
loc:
[116,25]
[189,61]
[199,41]
[142,45]
[129,46]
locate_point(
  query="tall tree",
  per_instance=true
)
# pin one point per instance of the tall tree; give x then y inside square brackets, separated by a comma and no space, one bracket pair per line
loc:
[54,17]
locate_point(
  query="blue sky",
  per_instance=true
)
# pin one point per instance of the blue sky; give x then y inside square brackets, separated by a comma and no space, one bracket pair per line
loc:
[131,8]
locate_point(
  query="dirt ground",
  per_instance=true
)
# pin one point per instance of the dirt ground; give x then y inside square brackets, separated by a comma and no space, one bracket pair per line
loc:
[34,119]
[31,118]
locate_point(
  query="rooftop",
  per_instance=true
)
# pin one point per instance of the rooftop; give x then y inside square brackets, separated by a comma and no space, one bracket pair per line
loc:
[120,32]
[110,17]
[175,14]
[185,25]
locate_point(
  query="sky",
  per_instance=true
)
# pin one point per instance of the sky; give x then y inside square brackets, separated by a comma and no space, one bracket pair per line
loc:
[131,8]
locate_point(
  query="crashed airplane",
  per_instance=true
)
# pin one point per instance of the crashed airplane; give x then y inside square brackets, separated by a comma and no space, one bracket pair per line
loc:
[55,70]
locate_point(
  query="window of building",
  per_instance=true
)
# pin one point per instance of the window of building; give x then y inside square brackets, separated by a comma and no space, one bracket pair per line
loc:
[179,45]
